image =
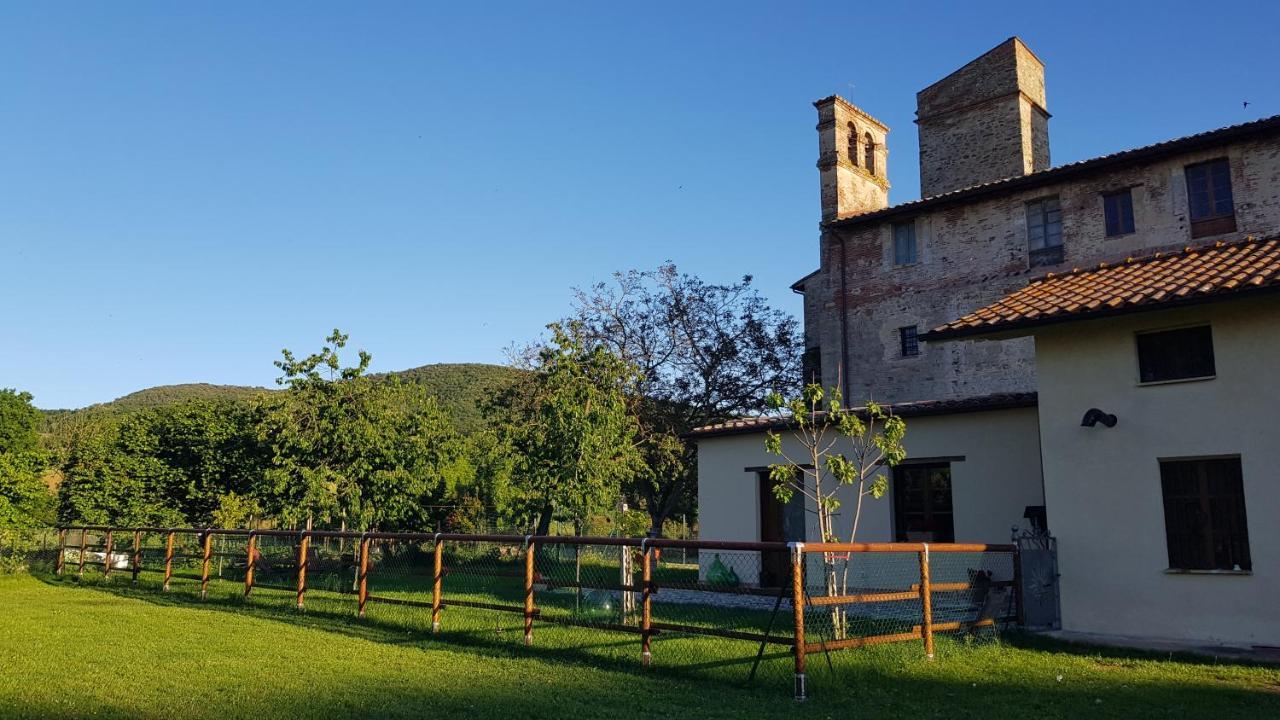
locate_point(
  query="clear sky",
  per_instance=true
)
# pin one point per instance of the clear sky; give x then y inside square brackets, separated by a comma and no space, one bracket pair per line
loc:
[185,190]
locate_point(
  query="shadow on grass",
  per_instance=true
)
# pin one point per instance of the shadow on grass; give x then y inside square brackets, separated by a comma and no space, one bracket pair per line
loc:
[483,632]
[963,682]
[1120,655]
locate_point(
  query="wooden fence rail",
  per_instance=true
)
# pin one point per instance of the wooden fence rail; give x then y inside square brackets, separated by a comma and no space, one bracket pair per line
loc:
[799,596]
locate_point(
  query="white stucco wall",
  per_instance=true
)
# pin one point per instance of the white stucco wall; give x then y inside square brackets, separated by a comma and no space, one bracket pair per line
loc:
[1103,485]
[998,477]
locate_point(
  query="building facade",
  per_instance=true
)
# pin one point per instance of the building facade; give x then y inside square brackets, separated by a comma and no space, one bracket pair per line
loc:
[995,219]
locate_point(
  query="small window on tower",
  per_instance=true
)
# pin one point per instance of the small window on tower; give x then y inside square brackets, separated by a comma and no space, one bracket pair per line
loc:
[910,341]
[1118,209]
[869,147]
[853,144]
[904,243]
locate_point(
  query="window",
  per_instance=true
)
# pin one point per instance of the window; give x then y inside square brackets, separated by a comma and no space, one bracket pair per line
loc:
[904,243]
[922,503]
[1044,232]
[1118,209]
[1209,198]
[853,144]
[909,341]
[1179,354]
[1204,518]
[869,146]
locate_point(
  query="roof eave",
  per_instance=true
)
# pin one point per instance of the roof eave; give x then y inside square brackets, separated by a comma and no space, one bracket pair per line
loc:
[1002,331]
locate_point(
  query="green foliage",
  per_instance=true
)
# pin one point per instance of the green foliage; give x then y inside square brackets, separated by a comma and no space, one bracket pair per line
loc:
[346,448]
[703,352]
[24,498]
[847,445]
[572,436]
[165,465]
[462,390]
[19,422]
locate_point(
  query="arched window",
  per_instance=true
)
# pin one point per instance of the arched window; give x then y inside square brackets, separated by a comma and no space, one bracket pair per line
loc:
[853,144]
[870,148]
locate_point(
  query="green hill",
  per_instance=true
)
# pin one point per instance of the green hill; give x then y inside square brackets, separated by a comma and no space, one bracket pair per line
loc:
[462,389]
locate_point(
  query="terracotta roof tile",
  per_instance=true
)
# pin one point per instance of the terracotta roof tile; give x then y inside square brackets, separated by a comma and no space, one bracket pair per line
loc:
[1193,275]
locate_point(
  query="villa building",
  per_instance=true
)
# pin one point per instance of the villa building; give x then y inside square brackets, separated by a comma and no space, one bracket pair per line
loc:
[1092,344]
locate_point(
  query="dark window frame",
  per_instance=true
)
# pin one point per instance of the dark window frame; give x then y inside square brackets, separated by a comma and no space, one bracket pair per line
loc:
[853,145]
[1205,514]
[912,254]
[909,341]
[1210,197]
[1044,247]
[869,153]
[939,520]
[1117,212]
[1172,355]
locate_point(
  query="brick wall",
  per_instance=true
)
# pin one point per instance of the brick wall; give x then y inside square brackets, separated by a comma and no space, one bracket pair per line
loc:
[972,254]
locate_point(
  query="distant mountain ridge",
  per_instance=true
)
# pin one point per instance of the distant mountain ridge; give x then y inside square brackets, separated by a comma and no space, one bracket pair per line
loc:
[462,389]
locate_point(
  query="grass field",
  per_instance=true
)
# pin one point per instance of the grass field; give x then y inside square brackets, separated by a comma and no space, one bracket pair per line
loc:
[99,651]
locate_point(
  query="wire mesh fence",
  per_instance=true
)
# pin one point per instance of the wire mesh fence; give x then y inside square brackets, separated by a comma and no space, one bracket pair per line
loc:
[738,611]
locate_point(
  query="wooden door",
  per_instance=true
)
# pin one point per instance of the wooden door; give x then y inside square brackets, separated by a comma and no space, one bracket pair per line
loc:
[774,565]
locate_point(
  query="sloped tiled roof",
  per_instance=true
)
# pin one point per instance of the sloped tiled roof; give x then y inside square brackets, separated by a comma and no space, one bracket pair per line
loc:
[1194,275]
[999,401]
[1209,138]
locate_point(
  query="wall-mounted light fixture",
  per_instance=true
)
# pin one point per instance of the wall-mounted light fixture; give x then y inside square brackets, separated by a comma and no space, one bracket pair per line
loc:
[1094,416]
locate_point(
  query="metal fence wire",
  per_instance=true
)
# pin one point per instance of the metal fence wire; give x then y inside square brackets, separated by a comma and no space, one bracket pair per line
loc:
[740,611]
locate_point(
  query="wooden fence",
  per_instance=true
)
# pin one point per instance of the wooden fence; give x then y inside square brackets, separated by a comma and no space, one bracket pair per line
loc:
[811,592]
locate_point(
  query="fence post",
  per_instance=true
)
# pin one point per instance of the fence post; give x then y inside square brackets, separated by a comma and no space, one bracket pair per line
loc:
[435,585]
[528,589]
[251,563]
[137,554]
[646,582]
[363,595]
[1017,585]
[62,551]
[926,603]
[106,555]
[797,606]
[84,542]
[304,544]
[204,571]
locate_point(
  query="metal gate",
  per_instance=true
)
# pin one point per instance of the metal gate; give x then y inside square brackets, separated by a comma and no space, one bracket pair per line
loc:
[1038,553]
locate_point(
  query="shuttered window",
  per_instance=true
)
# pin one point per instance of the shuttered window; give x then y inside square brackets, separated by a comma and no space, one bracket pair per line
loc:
[1204,514]
[1209,198]
[1044,232]
[1118,209]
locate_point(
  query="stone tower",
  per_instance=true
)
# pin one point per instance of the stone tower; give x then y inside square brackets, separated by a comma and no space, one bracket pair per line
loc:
[851,159]
[986,121]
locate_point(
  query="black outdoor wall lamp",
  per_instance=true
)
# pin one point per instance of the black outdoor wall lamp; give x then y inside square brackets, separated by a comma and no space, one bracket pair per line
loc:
[1094,416]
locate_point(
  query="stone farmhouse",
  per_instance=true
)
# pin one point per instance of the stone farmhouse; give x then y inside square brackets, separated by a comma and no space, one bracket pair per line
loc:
[1090,346]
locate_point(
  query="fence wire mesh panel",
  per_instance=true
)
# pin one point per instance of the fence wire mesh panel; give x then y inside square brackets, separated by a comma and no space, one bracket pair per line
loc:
[741,612]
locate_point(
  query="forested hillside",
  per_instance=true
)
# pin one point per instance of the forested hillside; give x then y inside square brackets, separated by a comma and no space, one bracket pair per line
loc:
[461,389]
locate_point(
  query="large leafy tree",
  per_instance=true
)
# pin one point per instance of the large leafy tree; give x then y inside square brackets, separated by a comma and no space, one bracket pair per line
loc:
[704,352]
[346,449]
[571,432]
[24,498]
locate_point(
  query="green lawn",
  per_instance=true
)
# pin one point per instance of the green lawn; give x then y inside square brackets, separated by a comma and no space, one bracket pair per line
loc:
[110,651]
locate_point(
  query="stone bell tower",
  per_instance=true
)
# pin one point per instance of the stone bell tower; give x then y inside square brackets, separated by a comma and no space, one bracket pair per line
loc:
[851,159]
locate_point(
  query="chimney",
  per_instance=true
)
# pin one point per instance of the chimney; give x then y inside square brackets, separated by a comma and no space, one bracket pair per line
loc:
[851,159]
[986,121]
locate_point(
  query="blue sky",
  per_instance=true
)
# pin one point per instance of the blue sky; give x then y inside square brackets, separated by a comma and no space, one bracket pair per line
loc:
[185,190]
